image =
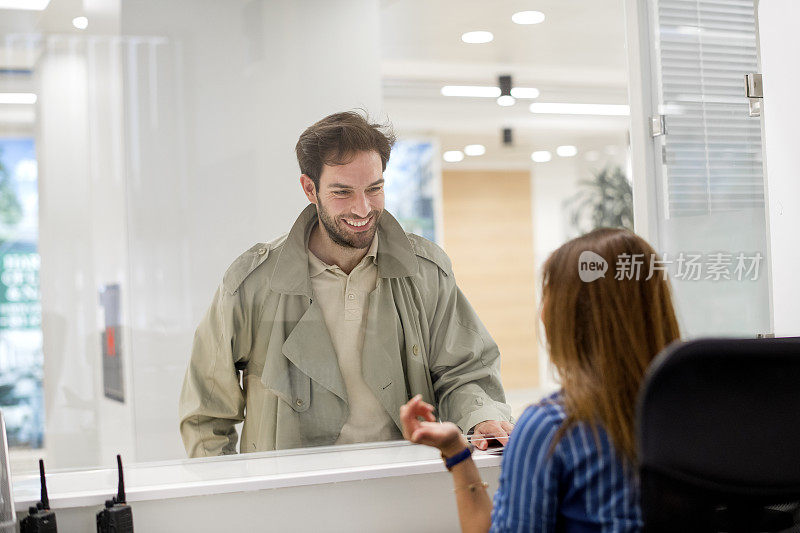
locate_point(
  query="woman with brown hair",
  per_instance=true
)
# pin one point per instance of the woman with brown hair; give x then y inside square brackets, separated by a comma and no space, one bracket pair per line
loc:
[570,462]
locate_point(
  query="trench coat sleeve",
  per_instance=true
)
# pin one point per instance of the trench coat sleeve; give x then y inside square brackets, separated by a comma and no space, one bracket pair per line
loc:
[465,362]
[212,401]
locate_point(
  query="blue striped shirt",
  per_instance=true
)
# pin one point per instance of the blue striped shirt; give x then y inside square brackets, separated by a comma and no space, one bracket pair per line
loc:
[580,487]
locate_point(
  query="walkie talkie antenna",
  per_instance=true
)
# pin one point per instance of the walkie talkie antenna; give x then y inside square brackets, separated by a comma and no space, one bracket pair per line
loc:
[121,487]
[45,500]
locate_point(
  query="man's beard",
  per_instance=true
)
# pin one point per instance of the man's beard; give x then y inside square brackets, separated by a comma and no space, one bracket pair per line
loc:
[341,236]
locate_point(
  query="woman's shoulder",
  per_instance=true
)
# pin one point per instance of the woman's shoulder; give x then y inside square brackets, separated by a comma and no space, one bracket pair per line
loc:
[538,425]
[547,411]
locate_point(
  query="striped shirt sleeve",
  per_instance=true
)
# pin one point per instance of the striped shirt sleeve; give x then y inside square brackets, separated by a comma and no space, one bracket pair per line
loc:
[527,500]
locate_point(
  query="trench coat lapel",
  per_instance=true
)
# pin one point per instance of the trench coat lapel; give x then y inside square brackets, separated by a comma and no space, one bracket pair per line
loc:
[291,270]
[381,365]
[310,349]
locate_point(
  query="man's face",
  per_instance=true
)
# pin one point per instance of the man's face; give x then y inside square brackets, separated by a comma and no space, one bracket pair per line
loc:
[350,200]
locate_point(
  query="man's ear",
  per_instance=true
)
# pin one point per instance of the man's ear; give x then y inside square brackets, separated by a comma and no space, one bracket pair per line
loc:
[309,189]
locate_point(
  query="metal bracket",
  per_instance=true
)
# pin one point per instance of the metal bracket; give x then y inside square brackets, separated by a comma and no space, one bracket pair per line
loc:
[658,125]
[754,91]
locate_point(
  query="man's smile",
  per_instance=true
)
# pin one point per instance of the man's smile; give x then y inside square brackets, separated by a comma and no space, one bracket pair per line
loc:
[359,224]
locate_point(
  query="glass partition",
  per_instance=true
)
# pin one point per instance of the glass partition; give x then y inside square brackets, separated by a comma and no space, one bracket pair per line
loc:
[145,145]
[712,217]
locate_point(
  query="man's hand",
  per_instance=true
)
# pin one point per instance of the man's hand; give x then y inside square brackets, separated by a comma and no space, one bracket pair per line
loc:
[445,436]
[491,429]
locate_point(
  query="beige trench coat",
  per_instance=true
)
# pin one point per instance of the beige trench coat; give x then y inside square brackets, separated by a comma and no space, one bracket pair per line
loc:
[422,337]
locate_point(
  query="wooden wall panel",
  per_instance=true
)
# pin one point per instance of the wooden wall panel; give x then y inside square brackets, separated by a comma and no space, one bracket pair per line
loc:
[488,234]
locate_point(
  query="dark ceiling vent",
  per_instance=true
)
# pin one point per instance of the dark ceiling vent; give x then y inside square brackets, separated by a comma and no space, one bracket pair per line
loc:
[508,137]
[504,82]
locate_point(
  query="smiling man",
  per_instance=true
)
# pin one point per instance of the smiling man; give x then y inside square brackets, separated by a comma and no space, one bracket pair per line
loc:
[338,323]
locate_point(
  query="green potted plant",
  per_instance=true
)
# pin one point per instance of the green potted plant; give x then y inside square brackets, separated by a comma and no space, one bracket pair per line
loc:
[605,200]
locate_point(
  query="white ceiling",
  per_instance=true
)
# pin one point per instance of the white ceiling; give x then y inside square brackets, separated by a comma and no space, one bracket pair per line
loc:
[576,55]
[576,34]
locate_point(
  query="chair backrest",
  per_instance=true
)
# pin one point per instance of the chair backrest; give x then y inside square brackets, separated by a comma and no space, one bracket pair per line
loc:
[718,429]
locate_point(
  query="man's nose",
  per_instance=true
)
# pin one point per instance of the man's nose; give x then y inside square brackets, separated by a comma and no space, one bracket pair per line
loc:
[361,208]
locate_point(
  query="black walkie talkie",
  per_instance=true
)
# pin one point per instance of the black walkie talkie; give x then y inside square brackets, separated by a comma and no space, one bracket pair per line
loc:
[117,517]
[40,519]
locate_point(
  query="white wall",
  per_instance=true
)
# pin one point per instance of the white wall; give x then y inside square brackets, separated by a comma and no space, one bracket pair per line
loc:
[66,275]
[199,166]
[82,245]
[779,49]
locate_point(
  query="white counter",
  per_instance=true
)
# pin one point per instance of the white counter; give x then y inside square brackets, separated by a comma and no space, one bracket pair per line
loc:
[373,487]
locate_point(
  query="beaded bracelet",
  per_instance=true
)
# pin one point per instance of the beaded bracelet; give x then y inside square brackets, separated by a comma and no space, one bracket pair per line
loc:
[472,487]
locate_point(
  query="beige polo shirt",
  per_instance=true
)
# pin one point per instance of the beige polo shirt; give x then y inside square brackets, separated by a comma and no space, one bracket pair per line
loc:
[344,300]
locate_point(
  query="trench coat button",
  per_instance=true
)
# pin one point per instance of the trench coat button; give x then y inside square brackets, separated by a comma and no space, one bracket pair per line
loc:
[415,349]
[351,296]
[262,250]
[479,401]
[299,402]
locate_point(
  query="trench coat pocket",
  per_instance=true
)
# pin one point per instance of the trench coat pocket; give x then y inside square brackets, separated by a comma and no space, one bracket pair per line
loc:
[301,388]
[293,387]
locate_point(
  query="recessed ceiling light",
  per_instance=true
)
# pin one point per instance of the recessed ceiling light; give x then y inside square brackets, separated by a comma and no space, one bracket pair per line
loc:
[525,92]
[566,151]
[17,98]
[453,156]
[487,91]
[528,17]
[541,156]
[30,5]
[80,22]
[477,37]
[480,91]
[506,100]
[474,149]
[580,109]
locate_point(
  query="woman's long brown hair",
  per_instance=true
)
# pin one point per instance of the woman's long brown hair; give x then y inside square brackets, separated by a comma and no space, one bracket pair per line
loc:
[603,334]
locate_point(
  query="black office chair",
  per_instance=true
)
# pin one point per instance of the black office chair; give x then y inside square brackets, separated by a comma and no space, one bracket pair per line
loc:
[718,428]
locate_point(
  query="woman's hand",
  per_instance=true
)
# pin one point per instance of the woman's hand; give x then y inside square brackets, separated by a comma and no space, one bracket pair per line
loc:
[445,436]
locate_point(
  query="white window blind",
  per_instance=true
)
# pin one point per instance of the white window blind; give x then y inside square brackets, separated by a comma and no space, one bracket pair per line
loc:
[712,150]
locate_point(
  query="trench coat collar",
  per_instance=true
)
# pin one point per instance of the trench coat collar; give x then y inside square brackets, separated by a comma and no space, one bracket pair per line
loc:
[395,257]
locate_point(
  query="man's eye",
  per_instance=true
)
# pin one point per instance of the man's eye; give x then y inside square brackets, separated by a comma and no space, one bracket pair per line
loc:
[375,189]
[341,193]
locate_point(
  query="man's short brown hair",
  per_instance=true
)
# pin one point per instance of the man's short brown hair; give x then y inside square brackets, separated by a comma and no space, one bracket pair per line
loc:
[337,138]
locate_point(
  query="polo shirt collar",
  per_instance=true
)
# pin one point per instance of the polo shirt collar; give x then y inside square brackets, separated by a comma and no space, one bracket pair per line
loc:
[393,253]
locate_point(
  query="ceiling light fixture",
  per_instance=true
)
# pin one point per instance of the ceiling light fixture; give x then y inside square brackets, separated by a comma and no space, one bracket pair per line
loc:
[80,22]
[28,5]
[478,91]
[477,37]
[580,109]
[505,99]
[527,17]
[474,149]
[566,151]
[17,98]
[484,91]
[525,92]
[541,156]
[453,156]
